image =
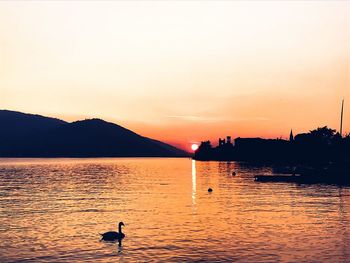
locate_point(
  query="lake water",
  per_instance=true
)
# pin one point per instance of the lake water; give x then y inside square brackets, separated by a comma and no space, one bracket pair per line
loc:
[52,210]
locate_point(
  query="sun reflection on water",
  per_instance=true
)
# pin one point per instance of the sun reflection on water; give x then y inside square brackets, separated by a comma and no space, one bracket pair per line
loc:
[193,182]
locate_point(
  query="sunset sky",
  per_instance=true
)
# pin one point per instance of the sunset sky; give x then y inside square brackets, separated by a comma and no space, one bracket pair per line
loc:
[180,71]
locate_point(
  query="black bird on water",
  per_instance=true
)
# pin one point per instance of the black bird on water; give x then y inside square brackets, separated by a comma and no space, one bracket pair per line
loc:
[114,236]
[210,190]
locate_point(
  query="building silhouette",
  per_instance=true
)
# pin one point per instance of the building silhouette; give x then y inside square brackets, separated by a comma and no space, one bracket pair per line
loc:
[321,145]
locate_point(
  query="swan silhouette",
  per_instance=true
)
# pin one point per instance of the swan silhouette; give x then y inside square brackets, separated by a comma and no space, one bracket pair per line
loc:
[112,235]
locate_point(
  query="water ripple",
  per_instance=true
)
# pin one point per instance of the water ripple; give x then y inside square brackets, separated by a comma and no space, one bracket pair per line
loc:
[52,210]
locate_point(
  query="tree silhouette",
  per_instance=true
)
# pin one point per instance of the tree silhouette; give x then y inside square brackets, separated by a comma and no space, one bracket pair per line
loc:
[323,134]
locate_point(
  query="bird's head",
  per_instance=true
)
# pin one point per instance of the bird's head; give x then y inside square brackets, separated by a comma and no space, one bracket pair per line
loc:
[121,224]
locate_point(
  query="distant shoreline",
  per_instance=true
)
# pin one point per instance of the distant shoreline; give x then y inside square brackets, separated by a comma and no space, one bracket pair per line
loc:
[98,157]
[322,145]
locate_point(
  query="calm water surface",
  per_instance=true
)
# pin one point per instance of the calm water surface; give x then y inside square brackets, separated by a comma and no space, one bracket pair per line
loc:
[52,210]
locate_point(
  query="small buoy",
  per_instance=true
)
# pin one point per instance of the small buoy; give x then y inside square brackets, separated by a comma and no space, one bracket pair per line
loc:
[233,173]
[210,190]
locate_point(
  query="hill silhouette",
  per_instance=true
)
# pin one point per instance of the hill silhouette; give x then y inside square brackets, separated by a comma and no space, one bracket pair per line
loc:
[15,124]
[28,135]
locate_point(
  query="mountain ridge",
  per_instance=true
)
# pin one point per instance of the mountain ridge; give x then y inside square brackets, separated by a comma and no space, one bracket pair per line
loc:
[30,135]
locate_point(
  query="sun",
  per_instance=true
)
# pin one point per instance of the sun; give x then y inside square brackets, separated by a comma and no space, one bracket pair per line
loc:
[194,147]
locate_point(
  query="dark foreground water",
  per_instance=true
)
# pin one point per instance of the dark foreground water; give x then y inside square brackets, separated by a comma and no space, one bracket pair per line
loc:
[52,210]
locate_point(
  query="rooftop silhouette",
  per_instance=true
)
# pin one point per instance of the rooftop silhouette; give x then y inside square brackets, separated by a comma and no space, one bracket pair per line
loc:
[321,145]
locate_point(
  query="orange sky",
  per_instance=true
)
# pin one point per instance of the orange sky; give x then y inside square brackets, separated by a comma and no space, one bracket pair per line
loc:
[180,71]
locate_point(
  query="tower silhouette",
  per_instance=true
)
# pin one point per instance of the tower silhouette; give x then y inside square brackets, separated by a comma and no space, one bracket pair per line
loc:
[291,136]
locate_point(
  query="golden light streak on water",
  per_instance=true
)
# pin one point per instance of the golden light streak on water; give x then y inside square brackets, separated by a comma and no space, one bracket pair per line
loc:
[194,183]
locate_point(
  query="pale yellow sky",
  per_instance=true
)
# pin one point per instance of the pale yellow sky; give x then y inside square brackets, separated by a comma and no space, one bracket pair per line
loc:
[179,71]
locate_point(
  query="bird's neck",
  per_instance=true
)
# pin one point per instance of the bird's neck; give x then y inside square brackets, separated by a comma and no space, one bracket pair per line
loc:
[120,228]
